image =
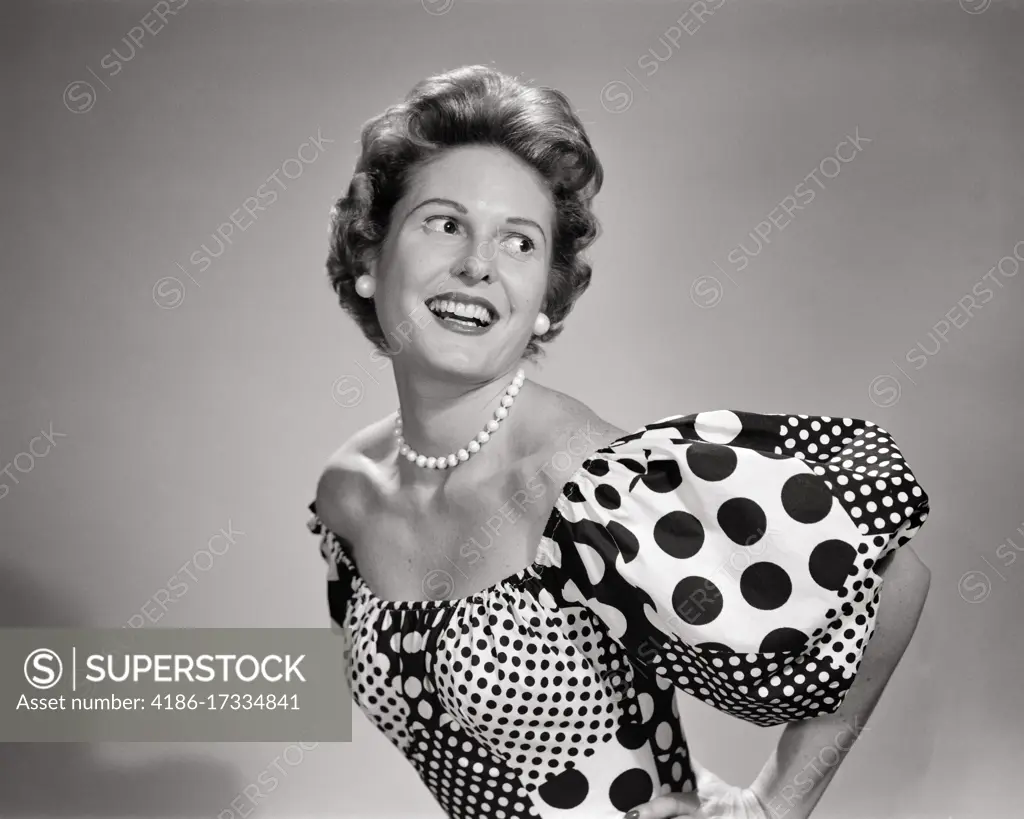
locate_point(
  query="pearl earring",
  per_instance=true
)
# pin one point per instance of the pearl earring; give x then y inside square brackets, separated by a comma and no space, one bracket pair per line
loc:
[541,324]
[366,286]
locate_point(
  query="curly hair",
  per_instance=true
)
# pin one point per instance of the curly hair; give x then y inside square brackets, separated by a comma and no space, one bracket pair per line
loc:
[472,105]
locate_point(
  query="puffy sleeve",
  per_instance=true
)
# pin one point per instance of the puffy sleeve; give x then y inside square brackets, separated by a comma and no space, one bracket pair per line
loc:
[734,553]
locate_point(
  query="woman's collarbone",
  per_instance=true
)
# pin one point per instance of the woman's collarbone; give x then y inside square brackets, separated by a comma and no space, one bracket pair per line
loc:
[476,544]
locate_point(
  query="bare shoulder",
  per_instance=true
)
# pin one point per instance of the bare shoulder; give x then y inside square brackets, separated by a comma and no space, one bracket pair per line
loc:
[573,420]
[351,472]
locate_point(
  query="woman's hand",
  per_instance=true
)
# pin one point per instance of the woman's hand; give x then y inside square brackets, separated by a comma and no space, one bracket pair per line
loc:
[717,800]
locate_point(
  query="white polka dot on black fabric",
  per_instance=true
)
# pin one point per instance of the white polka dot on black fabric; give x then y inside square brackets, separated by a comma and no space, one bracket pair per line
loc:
[726,554]
[775,537]
[717,426]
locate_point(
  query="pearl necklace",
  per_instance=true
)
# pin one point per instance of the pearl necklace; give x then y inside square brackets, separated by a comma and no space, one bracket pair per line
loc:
[482,437]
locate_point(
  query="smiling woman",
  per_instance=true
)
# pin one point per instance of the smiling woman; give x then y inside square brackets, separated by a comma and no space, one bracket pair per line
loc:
[472,130]
[542,683]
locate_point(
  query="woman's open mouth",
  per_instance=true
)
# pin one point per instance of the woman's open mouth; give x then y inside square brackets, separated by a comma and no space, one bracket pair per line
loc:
[462,314]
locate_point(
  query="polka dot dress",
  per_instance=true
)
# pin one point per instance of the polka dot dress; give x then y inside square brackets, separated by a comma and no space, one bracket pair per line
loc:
[727,554]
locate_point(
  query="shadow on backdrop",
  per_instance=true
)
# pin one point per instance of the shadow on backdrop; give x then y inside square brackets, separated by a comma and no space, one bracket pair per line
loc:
[69,779]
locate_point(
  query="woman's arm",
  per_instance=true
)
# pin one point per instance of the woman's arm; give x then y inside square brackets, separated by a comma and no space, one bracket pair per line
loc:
[809,751]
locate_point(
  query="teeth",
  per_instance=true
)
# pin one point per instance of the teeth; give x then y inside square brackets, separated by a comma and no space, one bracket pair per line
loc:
[461,310]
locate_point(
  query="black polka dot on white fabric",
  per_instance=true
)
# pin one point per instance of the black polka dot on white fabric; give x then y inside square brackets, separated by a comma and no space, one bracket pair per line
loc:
[775,553]
[765,585]
[711,462]
[697,600]
[609,541]
[661,476]
[727,554]
[629,463]
[678,534]
[742,520]
[831,563]
[608,496]
[567,790]
[631,788]
[806,498]
[625,541]
[572,491]
[783,640]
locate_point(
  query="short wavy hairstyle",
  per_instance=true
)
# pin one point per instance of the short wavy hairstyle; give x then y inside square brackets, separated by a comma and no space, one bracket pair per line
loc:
[472,105]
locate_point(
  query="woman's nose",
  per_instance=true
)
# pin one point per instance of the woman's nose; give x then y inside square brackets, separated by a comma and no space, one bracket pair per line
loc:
[480,265]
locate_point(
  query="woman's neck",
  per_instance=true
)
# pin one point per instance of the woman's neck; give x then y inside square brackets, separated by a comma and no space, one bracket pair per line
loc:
[441,416]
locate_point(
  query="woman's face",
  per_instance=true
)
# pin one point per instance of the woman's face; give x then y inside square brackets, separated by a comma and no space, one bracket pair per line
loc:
[475,224]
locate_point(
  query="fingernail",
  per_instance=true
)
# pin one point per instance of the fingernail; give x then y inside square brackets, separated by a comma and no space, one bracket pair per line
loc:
[633,814]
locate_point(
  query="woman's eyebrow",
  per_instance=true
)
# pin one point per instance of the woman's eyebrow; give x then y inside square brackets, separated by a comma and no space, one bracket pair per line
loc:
[437,200]
[512,220]
[517,220]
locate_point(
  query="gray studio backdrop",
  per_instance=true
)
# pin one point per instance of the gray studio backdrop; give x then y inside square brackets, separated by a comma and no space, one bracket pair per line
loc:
[172,393]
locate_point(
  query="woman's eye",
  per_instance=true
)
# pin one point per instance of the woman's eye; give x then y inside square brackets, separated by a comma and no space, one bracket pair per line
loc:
[519,245]
[443,224]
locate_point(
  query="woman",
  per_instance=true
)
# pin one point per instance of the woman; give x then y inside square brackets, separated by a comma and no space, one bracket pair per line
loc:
[521,603]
